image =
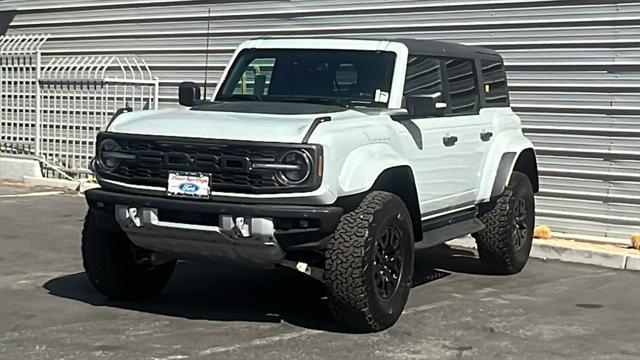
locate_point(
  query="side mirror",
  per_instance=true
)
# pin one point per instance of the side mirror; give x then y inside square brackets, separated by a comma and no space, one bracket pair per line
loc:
[425,105]
[189,94]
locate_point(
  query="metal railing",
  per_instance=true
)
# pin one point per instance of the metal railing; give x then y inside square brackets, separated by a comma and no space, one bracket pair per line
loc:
[20,65]
[79,97]
[53,112]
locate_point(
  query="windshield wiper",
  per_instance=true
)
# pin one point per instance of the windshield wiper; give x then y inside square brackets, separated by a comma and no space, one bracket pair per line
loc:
[312,100]
[345,103]
[239,97]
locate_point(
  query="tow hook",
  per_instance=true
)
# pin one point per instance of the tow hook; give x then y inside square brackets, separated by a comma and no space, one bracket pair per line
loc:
[132,216]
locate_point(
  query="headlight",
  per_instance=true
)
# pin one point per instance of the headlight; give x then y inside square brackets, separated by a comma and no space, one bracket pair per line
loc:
[108,156]
[298,163]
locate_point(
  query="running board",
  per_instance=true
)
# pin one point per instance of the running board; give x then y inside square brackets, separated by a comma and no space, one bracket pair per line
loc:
[443,234]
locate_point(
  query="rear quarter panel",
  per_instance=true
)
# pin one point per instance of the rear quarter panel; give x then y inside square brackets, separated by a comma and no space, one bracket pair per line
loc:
[509,141]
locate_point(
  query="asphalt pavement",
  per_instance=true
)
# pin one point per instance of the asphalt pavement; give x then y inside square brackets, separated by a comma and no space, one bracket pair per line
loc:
[48,309]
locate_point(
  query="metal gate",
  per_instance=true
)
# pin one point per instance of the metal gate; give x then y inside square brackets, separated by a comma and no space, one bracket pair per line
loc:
[79,95]
[20,63]
[52,113]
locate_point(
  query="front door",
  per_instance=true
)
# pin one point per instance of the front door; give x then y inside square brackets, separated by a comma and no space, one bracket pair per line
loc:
[451,156]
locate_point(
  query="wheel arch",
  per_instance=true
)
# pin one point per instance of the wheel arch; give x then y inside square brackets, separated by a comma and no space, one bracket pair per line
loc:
[398,180]
[524,162]
[527,164]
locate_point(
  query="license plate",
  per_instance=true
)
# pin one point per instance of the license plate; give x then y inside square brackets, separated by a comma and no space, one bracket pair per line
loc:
[193,185]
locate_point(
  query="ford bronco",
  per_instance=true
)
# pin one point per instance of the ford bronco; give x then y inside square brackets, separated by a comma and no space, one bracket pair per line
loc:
[333,157]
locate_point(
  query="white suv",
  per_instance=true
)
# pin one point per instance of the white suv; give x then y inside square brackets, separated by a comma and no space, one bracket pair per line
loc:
[333,157]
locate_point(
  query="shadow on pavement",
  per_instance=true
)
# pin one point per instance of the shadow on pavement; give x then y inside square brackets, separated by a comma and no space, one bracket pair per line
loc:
[223,293]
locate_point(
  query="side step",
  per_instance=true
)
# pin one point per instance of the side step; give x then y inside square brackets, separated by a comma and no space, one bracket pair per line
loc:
[445,233]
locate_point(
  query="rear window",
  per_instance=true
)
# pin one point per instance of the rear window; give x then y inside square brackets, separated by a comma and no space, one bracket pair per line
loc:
[495,83]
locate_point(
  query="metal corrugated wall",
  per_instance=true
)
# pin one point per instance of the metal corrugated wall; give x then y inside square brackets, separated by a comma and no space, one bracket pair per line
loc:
[573,68]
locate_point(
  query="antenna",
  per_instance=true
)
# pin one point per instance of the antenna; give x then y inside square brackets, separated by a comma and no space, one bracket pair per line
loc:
[206,61]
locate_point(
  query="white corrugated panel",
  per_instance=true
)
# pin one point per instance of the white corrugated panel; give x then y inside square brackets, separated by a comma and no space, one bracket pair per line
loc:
[574,71]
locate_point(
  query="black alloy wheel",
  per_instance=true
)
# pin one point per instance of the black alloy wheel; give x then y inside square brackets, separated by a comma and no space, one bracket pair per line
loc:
[520,226]
[387,263]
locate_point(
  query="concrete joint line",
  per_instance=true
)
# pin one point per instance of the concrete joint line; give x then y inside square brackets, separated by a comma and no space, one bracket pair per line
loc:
[35,194]
[259,342]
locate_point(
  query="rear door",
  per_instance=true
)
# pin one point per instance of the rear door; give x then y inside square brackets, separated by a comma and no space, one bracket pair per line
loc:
[495,105]
[472,128]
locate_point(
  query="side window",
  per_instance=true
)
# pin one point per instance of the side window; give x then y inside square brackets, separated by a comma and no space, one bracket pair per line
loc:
[463,87]
[424,77]
[495,83]
[256,77]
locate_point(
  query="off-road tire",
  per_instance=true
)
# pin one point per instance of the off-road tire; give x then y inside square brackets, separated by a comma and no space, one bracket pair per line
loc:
[354,298]
[497,246]
[109,263]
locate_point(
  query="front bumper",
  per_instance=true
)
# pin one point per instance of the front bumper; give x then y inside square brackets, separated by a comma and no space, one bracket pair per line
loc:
[141,217]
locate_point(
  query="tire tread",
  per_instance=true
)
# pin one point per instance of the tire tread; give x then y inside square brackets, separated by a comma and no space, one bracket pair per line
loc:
[346,264]
[110,267]
[494,242]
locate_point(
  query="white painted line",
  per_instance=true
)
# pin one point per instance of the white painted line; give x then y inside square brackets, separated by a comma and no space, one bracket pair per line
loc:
[27,281]
[260,342]
[42,193]
[426,307]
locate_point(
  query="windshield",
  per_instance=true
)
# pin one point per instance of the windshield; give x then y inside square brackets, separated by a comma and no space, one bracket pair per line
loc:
[335,77]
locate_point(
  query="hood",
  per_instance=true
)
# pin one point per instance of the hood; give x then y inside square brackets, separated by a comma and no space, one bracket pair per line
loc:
[228,125]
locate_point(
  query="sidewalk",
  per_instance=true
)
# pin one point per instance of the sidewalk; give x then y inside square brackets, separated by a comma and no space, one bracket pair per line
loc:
[604,255]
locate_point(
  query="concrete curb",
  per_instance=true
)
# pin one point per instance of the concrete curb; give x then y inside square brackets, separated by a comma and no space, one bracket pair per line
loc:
[28,172]
[602,255]
[74,185]
[15,169]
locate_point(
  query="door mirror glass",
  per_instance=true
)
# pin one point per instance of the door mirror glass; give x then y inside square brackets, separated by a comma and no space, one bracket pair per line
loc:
[419,106]
[189,94]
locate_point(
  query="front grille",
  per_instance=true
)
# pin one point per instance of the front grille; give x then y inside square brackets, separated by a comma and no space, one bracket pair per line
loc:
[151,158]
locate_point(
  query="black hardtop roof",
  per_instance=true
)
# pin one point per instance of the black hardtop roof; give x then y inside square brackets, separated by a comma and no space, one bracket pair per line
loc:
[448,49]
[429,47]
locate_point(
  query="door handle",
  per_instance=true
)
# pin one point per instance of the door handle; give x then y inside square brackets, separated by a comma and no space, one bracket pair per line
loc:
[449,140]
[486,135]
